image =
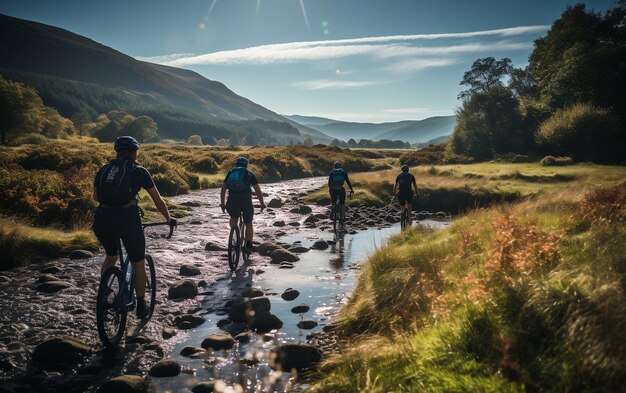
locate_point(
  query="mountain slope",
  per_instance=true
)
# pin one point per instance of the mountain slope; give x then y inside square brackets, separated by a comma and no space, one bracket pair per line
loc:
[345,130]
[421,130]
[37,53]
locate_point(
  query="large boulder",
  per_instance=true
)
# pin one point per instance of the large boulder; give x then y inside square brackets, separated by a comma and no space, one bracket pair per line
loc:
[57,352]
[218,341]
[243,310]
[165,368]
[125,384]
[266,248]
[281,255]
[295,356]
[185,289]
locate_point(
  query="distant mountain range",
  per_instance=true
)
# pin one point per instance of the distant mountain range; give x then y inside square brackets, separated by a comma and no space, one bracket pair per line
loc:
[73,74]
[412,131]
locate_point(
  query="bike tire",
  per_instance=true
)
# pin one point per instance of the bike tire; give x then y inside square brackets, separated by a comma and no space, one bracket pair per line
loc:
[243,242]
[234,248]
[151,287]
[111,312]
[404,219]
[335,219]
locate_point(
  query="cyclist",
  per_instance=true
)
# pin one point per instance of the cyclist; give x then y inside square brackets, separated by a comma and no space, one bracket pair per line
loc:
[238,182]
[402,189]
[118,217]
[337,192]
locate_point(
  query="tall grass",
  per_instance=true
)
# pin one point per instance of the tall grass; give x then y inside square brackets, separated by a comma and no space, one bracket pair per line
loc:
[524,297]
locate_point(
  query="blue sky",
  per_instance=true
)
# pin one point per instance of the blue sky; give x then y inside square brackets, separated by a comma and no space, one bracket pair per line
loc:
[358,60]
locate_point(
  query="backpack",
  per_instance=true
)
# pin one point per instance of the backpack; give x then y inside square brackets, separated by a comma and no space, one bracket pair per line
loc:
[404,179]
[337,178]
[114,187]
[237,180]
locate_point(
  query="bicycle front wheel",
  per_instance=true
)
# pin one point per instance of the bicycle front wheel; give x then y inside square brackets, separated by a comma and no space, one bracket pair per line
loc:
[234,248]
[404,219]
[243,242]
[111,311]
[151,287]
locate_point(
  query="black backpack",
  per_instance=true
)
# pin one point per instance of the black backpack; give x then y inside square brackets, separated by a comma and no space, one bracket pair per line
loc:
[404,179]
[114,183]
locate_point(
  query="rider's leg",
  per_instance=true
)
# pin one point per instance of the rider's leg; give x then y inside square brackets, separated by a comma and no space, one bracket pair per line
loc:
[233,222]
[409,213]
[249,235]
[109,261]
[139,277]
[342,208]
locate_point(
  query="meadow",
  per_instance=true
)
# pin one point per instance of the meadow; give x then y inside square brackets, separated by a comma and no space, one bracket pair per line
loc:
[526,295]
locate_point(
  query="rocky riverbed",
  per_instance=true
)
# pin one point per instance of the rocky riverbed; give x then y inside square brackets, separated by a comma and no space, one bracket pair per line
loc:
[203,335]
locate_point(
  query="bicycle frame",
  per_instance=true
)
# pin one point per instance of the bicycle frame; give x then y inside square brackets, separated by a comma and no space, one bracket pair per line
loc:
[127,285]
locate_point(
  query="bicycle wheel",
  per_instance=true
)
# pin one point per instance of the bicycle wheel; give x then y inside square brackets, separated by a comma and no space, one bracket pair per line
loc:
[111,311]
[151,287]
[243,242]
[404,218]
[335,218]
[234,248]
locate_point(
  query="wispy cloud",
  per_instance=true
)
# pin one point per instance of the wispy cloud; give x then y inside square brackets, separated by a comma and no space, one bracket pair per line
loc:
[164,59]
[377,47]
[419,64]
[322,84]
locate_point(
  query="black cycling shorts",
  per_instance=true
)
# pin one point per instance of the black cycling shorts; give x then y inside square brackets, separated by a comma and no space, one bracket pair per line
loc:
[236,205]
[338,194]
[111,224]
[404,197]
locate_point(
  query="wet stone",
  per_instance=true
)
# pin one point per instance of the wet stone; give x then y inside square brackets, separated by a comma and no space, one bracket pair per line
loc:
[189,270]
[286,265]
[165,368]
[275,203]
[320,245]
[266,248]
[251,292]
[218,341]
[4,279]
[50,270]
[60,351]
[290,294]
[190,351]
[279,223]
[46,277]
[185,289]
[168,333]
[125,384]
[265,322]
[52,286]
[311,219]
[203,387]
[295,356]
[81,254]
[243,337]
[240,310]
[298,249]
[210,246]
[191,321]
[307,324]
[282,255]
[300,308]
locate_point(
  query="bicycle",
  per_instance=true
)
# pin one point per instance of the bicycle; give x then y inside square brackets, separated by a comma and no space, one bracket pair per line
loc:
[404,215]
[237,244]
[336,212]
[116,294]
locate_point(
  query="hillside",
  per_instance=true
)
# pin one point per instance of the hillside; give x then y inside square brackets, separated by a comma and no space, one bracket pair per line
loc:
[73,73]
[412,131]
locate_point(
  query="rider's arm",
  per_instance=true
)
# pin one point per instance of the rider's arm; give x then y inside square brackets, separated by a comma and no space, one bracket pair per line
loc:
[159,202]
[348,183]
[223,196]
[259,195]
[415,185]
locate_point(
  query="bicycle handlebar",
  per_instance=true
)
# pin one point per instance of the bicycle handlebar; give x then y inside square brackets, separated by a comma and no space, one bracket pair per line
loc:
[172,224]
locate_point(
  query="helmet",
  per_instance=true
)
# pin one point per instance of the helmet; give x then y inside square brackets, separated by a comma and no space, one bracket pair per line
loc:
[338,164]
[404,168]
[125,143]
[241,161]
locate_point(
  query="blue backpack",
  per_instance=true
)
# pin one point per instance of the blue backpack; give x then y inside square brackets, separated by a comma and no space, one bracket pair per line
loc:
[237,180]
[337,178]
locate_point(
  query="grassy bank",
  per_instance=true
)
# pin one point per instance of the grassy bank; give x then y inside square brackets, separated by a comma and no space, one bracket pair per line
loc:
[521,297]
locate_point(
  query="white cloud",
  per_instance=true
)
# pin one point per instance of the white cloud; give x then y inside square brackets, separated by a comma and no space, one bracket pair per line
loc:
[323,84]
[378,47]
[164,59]
[418,64]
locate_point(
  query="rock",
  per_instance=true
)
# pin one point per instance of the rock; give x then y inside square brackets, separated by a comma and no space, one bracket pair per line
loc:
[307,324]
[295,356]
[125,384]
[320,245]
[4,280]
[168,333]
[294,224]
[138,340]
[286,265]
[189,270]
[185,289]
[304,209]
[165,368]
[203,387]
[50,270]
[52,286]
[298,249]
[7,365]
[311,219]
[325,201]
[263,323]
[251,292]
[275,203]
[81,254]
[266,248]
[300,308]
[210,246]
[391,219]
[279,223]
[290,294]
[57,352]
[192,320]
[282,255]
[218,341]
[243,310]
[46,278]
[190,351]
[243,337]
[191,203]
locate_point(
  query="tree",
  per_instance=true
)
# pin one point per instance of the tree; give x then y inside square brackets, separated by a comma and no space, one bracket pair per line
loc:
[235,140]
[307,142]
[484,75]
[20,106]
[194,140]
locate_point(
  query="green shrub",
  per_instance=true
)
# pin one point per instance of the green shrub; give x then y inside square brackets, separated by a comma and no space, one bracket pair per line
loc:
[31,139]
[205,165]
[584,132]
[431,155]
[556,161]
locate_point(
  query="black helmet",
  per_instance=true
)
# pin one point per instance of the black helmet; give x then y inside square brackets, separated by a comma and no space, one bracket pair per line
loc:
[338,164]
[404,168]
[125,143]
[241,161]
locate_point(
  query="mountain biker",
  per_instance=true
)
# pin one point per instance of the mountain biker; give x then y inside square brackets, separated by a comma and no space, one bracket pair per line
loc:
[336,179]
[118,217]
[238,182]
[402,189]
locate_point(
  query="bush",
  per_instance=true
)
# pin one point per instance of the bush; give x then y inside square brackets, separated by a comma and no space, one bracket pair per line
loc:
[205,165]
[431,155]
[31,139]
[556,161]
[584,132]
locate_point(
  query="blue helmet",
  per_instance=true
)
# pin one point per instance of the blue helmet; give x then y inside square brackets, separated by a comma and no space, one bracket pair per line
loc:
[404,168]
[241,161]
[338,164]
[125,143]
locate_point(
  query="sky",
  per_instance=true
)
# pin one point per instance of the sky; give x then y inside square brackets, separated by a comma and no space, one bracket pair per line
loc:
[353,60]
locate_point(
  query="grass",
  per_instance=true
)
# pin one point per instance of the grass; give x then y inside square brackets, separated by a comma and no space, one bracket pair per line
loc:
[520,297]
[21,244]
